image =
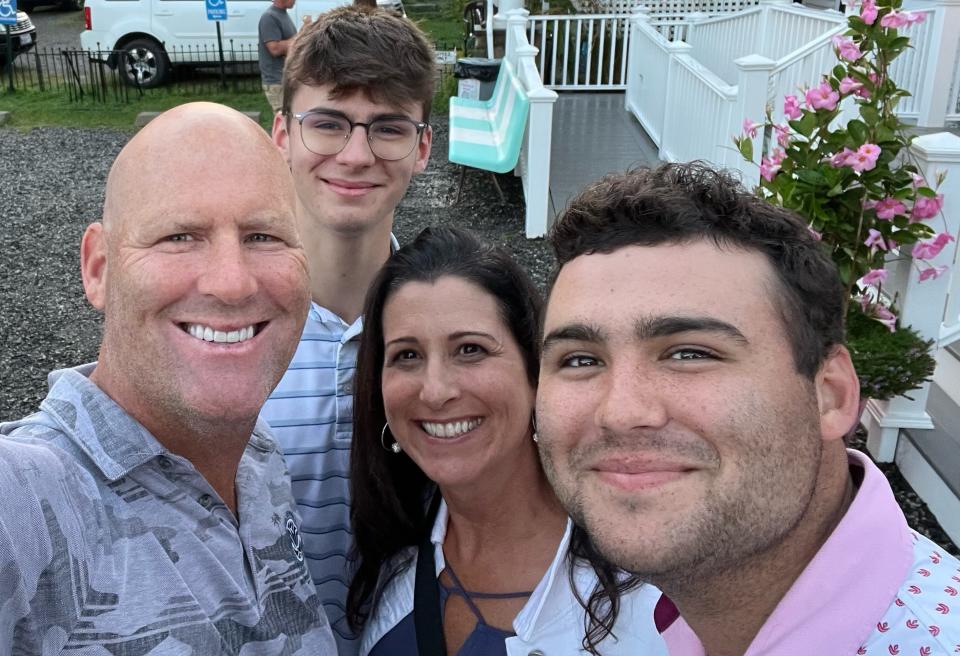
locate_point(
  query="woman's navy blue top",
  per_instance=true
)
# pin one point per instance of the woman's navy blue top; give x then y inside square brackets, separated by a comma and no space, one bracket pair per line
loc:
[484,640]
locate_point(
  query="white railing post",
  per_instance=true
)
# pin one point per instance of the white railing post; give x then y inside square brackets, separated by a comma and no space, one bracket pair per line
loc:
[516,22]
[638,16]
[538,144]
[922,304]
[766,20]
[753,80]
[671,133]
[693,20]
[941,59]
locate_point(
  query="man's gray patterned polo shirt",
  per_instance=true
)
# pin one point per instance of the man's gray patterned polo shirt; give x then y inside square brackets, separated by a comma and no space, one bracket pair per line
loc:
[109,544]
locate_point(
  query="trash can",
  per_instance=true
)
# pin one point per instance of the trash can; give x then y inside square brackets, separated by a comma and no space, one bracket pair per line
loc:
[477,76]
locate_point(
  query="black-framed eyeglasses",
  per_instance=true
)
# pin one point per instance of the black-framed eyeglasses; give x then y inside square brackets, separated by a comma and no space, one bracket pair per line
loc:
[391,138]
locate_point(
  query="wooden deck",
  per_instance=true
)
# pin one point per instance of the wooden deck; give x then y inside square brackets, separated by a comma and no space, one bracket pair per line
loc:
[581,153]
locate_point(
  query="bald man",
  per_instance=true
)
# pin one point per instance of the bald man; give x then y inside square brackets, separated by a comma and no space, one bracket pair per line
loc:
[144,509]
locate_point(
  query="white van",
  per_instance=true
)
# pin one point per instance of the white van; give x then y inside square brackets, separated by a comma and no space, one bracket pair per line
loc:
[156,34]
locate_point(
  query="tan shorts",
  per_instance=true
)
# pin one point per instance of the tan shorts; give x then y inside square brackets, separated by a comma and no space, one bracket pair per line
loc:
[274,93]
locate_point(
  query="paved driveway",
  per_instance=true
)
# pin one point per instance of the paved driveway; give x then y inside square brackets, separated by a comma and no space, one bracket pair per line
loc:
[57,29]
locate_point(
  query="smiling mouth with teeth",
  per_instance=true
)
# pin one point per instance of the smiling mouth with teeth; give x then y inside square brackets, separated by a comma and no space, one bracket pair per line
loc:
[208,334]
[450,429]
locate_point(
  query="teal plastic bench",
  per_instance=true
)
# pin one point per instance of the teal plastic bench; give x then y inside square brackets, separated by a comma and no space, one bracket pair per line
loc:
[488,134]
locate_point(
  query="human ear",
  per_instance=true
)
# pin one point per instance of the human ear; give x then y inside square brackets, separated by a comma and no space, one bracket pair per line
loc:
[423,150]
[281,136]
[93,264]
[838,394]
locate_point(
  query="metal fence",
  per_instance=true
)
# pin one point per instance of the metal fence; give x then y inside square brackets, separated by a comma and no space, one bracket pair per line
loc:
[111,76]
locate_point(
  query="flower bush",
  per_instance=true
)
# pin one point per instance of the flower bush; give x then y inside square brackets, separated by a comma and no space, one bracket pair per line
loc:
[856,184]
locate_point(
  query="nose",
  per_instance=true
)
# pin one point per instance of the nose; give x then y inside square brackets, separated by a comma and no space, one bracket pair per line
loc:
[227,274]
[632,399]
[439,385]
[357,151]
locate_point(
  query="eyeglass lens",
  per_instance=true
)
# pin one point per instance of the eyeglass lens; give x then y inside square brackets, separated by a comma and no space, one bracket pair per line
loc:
[389,138]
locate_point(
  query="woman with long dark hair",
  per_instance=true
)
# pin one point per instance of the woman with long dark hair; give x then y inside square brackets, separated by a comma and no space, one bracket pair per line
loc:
[462,547]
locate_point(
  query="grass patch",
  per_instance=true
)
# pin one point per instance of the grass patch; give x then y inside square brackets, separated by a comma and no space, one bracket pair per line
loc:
[32,108]
[442,20]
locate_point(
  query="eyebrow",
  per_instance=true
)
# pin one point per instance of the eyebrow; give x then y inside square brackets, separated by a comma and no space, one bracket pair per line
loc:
[452,337]
[646,329]
[574,332]
[375,117]
[655,327]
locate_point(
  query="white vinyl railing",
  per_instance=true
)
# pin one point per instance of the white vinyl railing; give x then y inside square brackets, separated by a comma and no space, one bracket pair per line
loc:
[662,8]
[773,30]
[587,52]
[804,67]
[691,130]
[930,307]
[648,61]
[534,164]
[718,41]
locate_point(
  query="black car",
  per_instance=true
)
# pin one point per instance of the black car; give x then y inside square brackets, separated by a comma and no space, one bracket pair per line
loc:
[23,35]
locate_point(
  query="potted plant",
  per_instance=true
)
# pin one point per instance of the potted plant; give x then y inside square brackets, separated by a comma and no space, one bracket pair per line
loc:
[864,198]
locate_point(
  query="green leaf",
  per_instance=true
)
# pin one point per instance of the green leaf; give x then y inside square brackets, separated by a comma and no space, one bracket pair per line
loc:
[746,148]
[926,191]
[807,124]
[811,177]
[870,114]
[839,72]
[858,131]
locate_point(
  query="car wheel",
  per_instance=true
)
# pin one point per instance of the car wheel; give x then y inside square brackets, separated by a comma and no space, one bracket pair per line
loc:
[144,63]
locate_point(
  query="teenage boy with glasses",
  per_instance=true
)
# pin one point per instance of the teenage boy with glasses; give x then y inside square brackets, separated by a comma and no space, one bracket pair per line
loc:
[357,91]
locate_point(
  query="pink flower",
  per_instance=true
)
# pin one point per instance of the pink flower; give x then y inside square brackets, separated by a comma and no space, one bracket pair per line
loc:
[869,204]
[918,180]
[933,272]
[874,276]
[813,233]
[783,134]
[750,128]
[849,85]
[846,48]
[822,97]
[875,241]
[776,157]
[862,92]
[791,107]
[927,250]
[896,19]
[841,158]
[768,169]
[885,316]
[926,208]
[868,12]
[865,159]
[889,207]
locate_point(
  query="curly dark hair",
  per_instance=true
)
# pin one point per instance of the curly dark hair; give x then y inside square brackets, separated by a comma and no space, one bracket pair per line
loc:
[678,203]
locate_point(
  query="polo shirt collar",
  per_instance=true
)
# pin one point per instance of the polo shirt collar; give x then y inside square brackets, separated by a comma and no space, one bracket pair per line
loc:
[851,582]
[113,440]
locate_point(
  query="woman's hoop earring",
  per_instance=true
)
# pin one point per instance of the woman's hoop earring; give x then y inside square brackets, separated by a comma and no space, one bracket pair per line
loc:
[533,425]
[395,447]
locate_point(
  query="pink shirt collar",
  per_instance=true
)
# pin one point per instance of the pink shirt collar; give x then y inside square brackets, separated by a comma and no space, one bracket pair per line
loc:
[835,603]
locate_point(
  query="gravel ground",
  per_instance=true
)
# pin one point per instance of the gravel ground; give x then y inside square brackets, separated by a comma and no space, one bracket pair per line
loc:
[54,180]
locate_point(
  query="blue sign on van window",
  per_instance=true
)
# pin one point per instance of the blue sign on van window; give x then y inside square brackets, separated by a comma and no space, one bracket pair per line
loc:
[216,9]
[8,12]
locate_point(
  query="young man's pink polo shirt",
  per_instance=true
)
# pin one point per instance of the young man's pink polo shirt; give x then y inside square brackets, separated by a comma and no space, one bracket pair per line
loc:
[875,587]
